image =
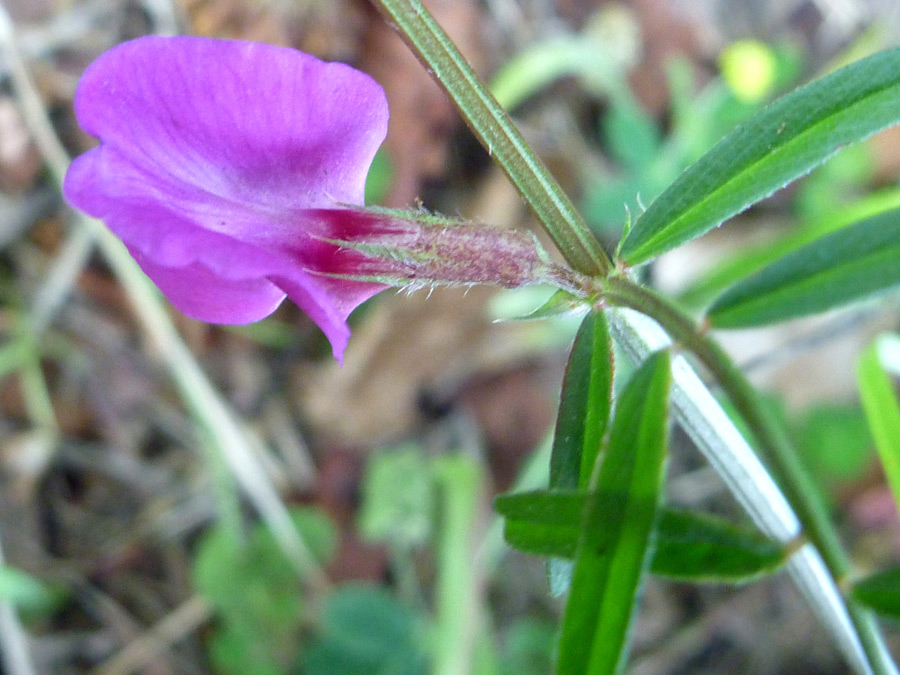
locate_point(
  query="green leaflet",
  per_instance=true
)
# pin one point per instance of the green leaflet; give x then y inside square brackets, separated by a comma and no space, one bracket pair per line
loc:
[582,419]
[562,508]
[699,547]
[558,304]
[774,147]
[748,260]
[840,267]
[554,541]
[584,405]
[879,400]
[616,534]
[881,592]
[690,546]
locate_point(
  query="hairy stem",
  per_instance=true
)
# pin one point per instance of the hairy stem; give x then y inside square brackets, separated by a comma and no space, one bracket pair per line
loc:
[498,134]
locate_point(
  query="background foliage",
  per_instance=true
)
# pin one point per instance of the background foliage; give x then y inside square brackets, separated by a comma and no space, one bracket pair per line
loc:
[292,532]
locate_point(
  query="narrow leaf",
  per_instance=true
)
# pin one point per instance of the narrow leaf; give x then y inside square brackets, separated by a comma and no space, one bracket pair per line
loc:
[542,522]
[838,268]
[561,302]
[617,528]
[543,507]
[584,408]
[554,541]
[879,400]
[584,404]
[701,548]
[690,546]
[748,260]
[881,592]
[774,147]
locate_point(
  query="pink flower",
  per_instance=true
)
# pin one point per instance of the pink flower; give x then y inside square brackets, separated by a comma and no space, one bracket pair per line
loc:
[219,162]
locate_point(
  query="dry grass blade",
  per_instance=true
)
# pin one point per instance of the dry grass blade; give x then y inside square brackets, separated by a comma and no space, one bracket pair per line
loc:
[141,652]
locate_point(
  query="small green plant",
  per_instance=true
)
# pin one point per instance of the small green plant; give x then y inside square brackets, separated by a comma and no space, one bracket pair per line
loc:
[257,598]
[602,506]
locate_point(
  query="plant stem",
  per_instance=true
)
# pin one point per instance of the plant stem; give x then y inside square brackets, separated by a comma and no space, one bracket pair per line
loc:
[498,134]
[583,253]
[459,581]
[771,442]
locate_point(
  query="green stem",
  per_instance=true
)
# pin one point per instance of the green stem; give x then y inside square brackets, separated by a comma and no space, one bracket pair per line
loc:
[498,134]
[771,442]
[457,597]
[583,253]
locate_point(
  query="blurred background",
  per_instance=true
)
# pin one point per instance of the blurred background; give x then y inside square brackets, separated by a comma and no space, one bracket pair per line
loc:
[177,497]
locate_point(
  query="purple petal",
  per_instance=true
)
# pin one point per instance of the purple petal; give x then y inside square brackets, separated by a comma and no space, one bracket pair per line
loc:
[211,154]
[202,294]
[253,123]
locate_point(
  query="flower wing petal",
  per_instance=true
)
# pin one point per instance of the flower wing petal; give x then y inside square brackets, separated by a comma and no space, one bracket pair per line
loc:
[200,293]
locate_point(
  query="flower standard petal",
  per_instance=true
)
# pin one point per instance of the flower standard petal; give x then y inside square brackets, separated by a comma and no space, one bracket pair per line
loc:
[211,151]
